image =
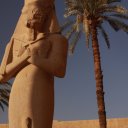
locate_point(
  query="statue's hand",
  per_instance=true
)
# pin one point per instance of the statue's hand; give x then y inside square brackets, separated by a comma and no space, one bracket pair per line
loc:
[1,79]
[26,54]
[39,53]
[44,51]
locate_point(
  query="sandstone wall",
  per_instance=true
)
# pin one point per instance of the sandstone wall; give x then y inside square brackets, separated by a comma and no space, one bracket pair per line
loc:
[112,123]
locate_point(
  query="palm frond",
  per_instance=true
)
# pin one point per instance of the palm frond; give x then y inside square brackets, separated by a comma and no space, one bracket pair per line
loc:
[71,12]
[112,9]
[121,16]
[66,24]
[6,91]
[82,4]
[4,94]
[112,1]
[70,2]
[74,42]
[4,102]
[79,20]
[113,25]
[105,35]
[70,32]
[74,5]
[119,25]
[1,105]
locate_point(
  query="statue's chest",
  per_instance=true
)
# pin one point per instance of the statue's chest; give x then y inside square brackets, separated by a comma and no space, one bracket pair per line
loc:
[40,47]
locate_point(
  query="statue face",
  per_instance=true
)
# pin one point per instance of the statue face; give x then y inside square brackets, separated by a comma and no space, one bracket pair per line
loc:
[36,17]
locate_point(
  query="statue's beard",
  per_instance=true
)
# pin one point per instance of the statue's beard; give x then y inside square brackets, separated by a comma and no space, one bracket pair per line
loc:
[34,24]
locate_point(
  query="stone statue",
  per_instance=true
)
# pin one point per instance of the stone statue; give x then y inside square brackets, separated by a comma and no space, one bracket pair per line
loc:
[35,54]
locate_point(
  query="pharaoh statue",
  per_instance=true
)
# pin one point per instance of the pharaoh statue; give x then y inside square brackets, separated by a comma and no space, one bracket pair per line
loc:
[35,54]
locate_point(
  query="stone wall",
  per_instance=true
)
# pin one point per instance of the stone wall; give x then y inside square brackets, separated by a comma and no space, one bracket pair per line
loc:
[3,126]
[112,123]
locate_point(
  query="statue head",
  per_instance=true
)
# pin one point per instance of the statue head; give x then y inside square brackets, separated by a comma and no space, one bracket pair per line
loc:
[37,12]
[46,2]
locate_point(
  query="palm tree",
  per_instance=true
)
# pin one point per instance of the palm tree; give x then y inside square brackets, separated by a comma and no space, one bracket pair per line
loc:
[4,94]
[91,14]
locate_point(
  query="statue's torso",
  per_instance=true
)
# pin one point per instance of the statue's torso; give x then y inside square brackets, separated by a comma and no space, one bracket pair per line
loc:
[30,71]
[32,89]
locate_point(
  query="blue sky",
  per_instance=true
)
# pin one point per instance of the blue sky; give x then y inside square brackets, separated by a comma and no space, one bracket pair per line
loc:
[75,97]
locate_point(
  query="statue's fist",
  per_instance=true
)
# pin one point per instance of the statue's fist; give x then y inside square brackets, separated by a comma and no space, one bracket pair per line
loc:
[44,50]
[1,79]
[39,52]
[26,54]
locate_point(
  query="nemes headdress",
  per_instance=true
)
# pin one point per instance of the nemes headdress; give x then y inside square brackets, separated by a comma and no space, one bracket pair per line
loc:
[44,4]
[48,2]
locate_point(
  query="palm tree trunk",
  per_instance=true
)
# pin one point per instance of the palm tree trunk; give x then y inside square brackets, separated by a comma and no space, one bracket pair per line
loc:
[98,78]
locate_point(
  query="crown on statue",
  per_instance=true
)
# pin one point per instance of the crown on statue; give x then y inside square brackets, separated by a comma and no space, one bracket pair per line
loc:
[45,2]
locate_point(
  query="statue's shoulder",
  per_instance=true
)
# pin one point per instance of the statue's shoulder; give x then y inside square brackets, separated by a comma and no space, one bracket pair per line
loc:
[58,38]
[59,44]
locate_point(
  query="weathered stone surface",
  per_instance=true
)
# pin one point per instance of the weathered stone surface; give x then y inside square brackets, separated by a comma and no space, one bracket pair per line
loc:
[112,123]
